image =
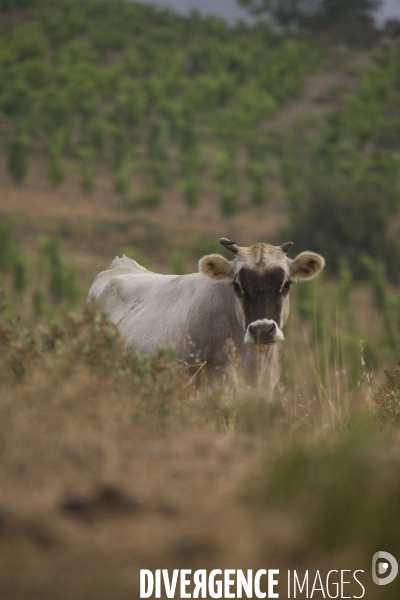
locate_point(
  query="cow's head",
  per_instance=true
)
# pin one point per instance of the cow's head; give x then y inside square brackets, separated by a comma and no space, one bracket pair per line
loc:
[260,277]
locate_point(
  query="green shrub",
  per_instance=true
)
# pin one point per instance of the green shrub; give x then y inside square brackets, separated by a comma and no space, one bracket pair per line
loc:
[87,168]
[122,182]
[160,174]
[18,150]
[259,194]
[56,171]
[229,200]
[88,339]
[338,219]
[380,289]
[158,141]
[149,199]
[62,276]
[8,251]
[38,303]
[6,5]
[321,481]
[191,191]
[19,274]
[57,144]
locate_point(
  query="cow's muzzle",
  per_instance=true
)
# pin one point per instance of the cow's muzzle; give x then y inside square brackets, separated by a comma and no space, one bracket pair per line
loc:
[263,332]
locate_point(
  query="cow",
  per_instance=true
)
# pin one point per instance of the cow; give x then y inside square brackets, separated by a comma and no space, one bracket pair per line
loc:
[239,305]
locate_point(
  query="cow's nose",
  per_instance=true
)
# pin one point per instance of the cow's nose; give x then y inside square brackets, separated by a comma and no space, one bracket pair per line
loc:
[263,332]
[257,330]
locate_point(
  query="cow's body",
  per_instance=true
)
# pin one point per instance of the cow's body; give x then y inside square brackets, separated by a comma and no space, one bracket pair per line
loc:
[199,314]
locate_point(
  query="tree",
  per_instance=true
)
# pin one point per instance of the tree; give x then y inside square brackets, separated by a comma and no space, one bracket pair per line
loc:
[340,219]
[284,12]
[349,20]
[346,18]
[10,4]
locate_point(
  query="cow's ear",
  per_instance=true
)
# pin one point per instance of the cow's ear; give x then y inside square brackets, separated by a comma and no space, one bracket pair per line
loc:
[215,266]
[306,265]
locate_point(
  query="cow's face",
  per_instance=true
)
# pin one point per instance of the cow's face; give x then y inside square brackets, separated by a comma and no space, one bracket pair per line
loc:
[260,278]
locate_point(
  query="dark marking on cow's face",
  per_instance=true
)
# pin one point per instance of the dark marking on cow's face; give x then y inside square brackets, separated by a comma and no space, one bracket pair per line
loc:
[262,293]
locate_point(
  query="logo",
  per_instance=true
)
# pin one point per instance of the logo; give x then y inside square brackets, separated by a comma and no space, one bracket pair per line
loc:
[384,563]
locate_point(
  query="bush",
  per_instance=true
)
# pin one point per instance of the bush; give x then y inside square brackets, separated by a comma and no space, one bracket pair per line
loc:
[149,199]
[18,157]
[336,218]
[19,274]
[259,194]
[229,200]
[351,21]
[191,191]
[321,482]
[56,171]
[62,276]
[6,5]
[38,303]
[88,344]
[87,168]
[56,146]
[122,182]
[7,248]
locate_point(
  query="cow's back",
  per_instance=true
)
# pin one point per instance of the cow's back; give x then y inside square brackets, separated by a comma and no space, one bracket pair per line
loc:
[109,288]
[151,310]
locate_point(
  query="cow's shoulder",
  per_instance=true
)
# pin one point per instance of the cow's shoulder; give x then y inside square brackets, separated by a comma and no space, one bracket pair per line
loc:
[108,283]
[126,265]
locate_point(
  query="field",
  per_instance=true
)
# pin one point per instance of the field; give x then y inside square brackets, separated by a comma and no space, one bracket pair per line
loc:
[129,130]
[111,464]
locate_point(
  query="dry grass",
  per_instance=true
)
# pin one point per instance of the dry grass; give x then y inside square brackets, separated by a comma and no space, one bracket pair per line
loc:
[111,464]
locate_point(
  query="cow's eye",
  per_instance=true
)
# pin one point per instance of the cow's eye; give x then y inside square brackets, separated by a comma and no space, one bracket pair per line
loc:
[286,286]
[237,288]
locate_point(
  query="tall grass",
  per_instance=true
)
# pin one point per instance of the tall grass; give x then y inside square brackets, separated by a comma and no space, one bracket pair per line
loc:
[79,415]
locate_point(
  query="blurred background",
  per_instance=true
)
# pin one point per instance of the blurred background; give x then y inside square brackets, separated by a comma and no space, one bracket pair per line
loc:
[153,129]
[126,127]
[232,11]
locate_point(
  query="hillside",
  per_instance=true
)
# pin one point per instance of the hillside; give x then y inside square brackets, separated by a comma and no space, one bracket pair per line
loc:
[75,215]
[123,126]
[125,129]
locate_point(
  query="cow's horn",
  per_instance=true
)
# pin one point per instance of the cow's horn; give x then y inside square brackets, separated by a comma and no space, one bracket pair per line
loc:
[232,246]
[286,247]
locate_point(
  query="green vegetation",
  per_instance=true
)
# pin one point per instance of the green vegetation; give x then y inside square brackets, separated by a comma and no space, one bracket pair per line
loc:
[89,341]
[344,20]
[340,493]
[344,189]
[189,104]
[47,285]
[140,89]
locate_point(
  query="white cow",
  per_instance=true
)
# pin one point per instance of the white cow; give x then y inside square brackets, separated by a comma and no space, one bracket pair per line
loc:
[244,301]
